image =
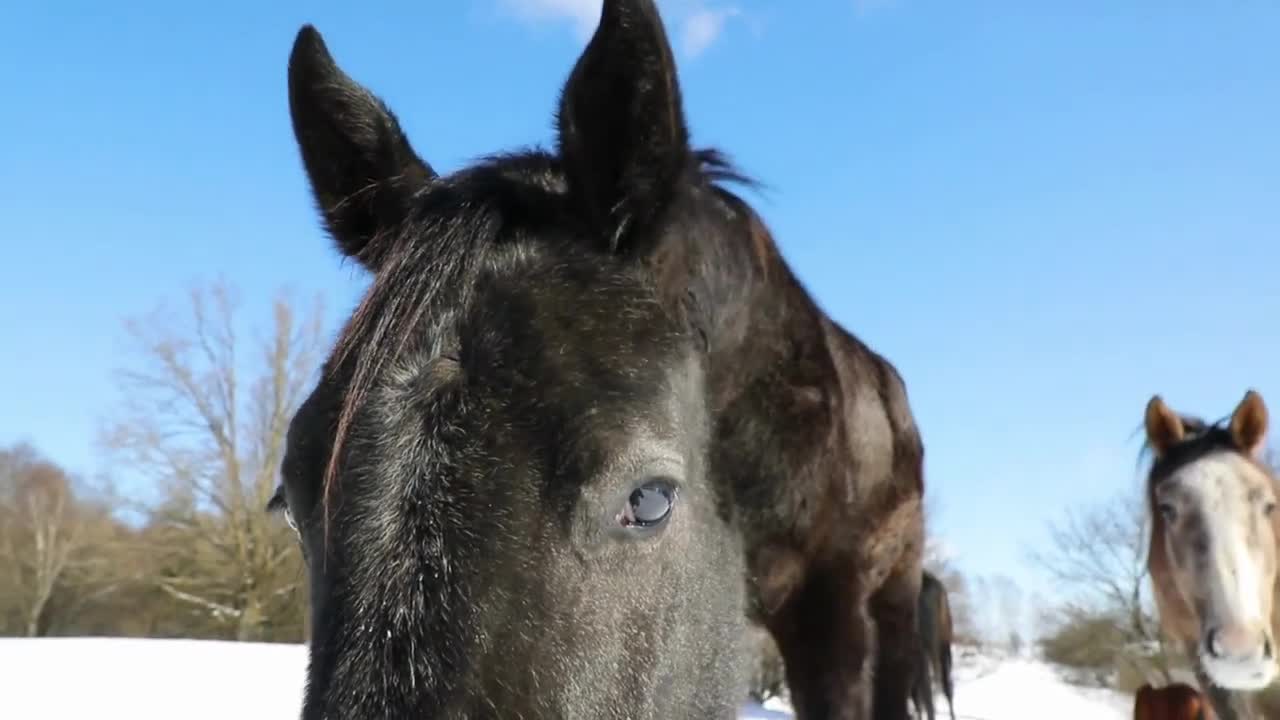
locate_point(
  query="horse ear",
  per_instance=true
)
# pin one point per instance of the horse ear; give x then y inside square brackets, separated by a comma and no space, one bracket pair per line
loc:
[622,134]
[277,501]
[1249,423]
[363,171]
[1164,427]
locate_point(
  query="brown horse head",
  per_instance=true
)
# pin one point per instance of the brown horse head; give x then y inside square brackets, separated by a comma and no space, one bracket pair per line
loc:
[1213,540]
[1178,701]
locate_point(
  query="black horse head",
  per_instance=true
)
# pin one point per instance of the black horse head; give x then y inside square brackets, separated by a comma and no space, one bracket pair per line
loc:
[500,482]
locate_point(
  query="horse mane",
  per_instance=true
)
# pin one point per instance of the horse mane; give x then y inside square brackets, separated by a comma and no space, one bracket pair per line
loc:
[433,252]
[718,169]
[1202,438]
[436,252]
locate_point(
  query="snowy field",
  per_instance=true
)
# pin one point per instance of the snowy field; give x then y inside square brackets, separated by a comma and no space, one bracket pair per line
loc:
[990,687]
[50,679]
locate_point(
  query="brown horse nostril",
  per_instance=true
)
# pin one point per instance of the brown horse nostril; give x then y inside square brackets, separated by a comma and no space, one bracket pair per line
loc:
[1267,649]
[1211,643]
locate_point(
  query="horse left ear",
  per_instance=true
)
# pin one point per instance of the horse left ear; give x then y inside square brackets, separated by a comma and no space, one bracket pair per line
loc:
[363,171]
[1249,423]
[622,134]
[1164,428]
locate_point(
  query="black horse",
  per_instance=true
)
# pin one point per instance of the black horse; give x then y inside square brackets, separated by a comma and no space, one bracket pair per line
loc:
[584,423]
[934,614]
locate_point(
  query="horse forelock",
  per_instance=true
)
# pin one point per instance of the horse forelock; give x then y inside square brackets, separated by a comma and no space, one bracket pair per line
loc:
[423,276]
[427,265]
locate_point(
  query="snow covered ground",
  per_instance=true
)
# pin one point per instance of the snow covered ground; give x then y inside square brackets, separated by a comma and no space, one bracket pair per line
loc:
[51,679]
[996,687]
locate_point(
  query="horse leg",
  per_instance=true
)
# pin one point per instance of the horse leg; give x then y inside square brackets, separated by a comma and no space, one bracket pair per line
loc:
[826,639]
[924,684]
[916,703]
[898,641]
[921,689]
[944,660]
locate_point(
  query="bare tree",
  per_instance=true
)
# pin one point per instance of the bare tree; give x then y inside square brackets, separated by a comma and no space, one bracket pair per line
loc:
[1099,562]
[1009,603]
[206,422]
[1100,554]
[994,607]
[938,560]
[46,536]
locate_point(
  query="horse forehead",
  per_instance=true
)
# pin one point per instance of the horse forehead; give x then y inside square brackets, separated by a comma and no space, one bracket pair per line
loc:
[1218,480]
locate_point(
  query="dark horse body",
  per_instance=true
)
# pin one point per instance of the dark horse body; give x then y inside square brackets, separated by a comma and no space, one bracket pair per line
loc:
[934,617]
[585,423]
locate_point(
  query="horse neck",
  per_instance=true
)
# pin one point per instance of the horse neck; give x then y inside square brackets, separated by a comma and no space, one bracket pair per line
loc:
[757,316]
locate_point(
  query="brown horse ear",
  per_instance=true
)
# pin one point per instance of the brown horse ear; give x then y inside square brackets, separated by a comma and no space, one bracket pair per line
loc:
[1249,424]
[1164,427]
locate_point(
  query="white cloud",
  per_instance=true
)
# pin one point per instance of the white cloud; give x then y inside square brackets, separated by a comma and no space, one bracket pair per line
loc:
[584,14]
[701,29]
[697,23]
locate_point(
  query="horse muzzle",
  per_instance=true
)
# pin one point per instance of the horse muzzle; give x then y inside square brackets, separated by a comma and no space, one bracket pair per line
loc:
[1239,657]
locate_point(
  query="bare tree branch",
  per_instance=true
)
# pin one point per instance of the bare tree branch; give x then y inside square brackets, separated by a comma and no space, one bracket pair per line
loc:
[1105,617]
[45,534]
[218,609]
[938,560]
[207,422]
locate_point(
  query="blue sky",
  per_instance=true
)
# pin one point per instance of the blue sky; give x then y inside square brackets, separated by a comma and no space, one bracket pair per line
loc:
[1040,215]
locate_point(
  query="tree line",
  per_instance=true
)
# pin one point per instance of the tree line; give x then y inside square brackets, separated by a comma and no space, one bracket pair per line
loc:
[175,541]
[1105,629]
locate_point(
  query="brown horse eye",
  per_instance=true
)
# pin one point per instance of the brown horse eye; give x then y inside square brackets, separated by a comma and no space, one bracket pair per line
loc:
[1169,512]
[649,505]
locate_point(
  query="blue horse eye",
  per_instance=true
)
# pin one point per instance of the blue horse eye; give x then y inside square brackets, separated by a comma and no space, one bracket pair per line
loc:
[649,505]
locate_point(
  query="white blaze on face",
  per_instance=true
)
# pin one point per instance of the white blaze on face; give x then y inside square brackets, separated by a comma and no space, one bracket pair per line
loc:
[1231,576]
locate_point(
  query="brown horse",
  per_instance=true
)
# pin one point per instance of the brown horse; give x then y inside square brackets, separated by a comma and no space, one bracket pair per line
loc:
[1212,555]
[1178,701]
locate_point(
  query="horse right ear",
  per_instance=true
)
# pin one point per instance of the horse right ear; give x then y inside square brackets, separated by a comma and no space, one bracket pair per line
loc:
[621,125]
[1249,424]
[1164,427]
[363,171]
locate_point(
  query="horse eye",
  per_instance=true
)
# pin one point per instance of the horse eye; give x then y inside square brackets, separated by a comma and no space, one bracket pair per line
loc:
[1169,512]
[1269,508]
[649,505]
[280,504]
